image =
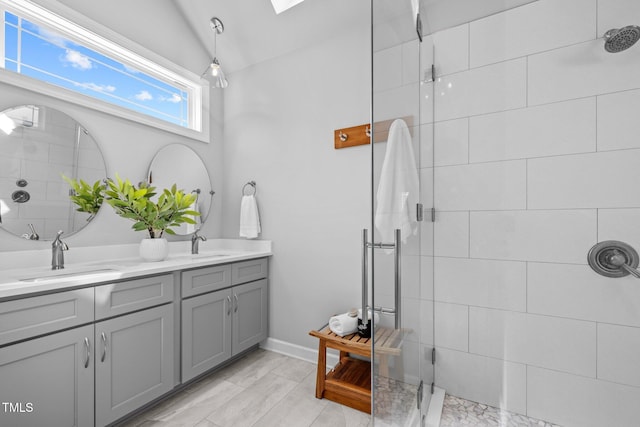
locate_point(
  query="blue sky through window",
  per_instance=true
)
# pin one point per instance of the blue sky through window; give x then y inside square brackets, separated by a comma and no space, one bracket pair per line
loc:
[35,51]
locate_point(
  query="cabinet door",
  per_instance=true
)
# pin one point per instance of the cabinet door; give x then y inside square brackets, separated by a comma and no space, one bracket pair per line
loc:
[48,381]
[206,332]
[250,315]
[134,361]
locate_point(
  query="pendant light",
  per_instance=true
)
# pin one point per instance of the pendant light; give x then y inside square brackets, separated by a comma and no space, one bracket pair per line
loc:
[214,73]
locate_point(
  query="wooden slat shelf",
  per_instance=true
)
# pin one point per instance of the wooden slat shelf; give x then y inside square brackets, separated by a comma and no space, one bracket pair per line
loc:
[349,383]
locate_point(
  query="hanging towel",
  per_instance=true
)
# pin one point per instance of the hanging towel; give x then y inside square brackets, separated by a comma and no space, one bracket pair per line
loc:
[249,217]
[343,324]
[398,189]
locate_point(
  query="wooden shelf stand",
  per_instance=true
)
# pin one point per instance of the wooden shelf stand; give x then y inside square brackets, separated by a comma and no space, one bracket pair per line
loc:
[349,382]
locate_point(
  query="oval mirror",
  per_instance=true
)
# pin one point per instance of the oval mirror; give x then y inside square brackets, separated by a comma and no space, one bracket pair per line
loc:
[38,147]
[180,165]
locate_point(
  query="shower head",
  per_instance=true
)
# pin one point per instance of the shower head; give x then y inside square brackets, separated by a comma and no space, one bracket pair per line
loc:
[617,40]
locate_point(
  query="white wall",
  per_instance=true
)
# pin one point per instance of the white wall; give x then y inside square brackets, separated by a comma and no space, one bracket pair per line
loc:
[536,154]
[314,200]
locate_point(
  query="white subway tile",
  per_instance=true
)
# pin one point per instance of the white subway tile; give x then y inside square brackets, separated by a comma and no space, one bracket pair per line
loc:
[619,224]
[618,350]
[9,167]
[426,234]
[482,90]
[617,14]
[483,186]
[518,32]
[411,318]
[387,69]
[547,236]
[581,70]
[597,180]
[618,125]
[396,103]
[483,283]
[451,234]
[451,47]
[482,379]
[451,142]
[426,187]
[577,292]
[569,127]
[452,326]
[549,342]
[410,62]
[572,400]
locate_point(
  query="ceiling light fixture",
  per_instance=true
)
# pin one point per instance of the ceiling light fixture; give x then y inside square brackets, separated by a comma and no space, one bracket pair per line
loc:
[282,5]
[214,73]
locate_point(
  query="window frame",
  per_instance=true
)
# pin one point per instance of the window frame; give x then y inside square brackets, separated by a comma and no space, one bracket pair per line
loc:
[81,29]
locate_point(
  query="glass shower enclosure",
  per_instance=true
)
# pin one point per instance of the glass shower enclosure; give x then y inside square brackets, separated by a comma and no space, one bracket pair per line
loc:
[518,298]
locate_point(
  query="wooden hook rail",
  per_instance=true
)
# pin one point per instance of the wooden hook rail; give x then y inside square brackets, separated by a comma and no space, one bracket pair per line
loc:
[360,135]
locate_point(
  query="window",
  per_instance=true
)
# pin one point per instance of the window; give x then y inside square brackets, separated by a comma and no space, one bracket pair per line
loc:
[42,45]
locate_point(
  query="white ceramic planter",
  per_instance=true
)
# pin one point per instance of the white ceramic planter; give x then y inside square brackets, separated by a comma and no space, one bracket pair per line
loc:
[154,249]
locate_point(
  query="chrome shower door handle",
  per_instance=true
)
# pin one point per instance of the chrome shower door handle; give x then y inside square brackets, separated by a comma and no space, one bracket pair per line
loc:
[103,336]
[397,262]
[87,352]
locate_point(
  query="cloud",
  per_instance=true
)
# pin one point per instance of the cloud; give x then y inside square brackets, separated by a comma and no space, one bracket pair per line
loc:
[175,98]
[143,95]
[78,60]
[52,37]
[97,87]
[130,70]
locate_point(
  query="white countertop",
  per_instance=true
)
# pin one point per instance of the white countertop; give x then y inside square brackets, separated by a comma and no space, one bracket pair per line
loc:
[29,272]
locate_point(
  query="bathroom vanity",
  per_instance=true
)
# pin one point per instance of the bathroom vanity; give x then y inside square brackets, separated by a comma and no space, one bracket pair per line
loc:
[119,334]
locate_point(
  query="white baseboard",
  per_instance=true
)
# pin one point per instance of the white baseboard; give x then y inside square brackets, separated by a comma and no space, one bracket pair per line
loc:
[298,351]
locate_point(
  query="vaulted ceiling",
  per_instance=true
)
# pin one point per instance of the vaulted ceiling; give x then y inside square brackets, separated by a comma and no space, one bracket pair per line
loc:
[179,29]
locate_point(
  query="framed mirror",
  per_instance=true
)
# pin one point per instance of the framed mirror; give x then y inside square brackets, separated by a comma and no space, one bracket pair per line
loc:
[180,165]
[38,146]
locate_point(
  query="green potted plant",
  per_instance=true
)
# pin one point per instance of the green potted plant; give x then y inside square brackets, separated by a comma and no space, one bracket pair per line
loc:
[155,215]
[87,197]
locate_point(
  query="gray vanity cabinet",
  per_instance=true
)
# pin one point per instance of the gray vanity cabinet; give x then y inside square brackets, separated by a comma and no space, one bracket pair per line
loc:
[250,315]
[206,332]
[48,381]
[220,324]
[134,361]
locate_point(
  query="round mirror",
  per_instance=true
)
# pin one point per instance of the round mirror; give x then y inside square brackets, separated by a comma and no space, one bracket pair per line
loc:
[180,165]
[39,147]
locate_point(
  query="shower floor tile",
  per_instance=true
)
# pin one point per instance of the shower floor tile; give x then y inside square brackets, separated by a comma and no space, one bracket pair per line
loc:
[461,412]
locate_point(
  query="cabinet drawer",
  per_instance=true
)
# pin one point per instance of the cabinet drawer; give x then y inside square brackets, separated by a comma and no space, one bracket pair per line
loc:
[248,271]
[124,297]
[200,281]
[29,317]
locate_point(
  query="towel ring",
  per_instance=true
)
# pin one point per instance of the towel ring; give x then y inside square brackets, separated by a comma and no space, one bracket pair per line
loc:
[251,184]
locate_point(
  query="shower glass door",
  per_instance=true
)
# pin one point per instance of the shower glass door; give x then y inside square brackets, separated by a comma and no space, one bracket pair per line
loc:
[400,277]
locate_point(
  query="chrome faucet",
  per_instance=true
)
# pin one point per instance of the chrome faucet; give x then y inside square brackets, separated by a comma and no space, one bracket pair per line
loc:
[33,235]
[57,254]
[195,242]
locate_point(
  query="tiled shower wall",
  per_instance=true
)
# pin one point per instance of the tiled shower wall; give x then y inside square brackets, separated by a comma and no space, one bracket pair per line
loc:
[536,157]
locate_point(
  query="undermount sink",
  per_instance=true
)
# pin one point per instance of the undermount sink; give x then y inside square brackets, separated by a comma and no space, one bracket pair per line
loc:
[61,274]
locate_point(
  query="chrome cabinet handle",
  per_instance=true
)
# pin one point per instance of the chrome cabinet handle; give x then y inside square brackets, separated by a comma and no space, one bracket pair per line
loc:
[235,297]
[103,336]
[228,305]
[87,352]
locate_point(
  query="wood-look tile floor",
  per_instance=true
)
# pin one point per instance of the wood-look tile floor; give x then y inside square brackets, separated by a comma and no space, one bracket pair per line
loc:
[262,389]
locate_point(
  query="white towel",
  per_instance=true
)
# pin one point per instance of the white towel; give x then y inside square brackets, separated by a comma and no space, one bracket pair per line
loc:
[249,217]
[343,324]
[399,186]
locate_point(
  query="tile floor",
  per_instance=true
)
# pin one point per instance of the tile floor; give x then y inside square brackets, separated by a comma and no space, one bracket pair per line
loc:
[262,389]
[460,412]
